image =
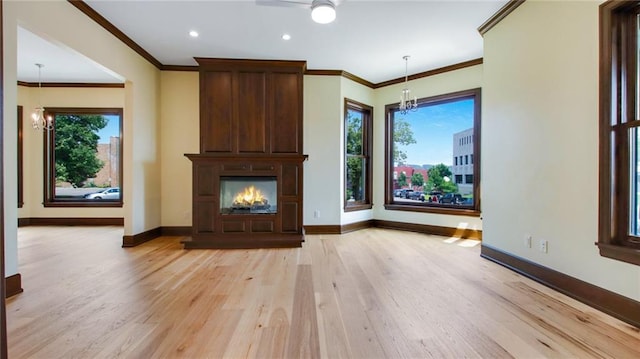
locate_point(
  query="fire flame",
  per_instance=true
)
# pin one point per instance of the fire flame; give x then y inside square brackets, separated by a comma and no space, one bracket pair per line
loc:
[249,196]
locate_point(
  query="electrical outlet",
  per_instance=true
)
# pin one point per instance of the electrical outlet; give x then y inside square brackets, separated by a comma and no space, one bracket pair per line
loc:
[316,213]
[527,240]
[544,246]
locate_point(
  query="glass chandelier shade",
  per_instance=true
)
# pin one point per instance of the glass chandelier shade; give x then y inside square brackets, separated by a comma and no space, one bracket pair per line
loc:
[406,103]
[38,119]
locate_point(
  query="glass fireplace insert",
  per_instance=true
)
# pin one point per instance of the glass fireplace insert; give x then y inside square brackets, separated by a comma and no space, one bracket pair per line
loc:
[248,195]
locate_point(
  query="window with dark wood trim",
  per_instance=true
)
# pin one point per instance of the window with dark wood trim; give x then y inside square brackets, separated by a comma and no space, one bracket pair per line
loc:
[417,136]
[619,185]
[358,144]
[20,165]
[83,158]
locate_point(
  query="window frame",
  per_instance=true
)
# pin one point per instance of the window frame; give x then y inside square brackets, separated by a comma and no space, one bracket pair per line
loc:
[618,101]
[49,181]
[367,150]
[390,203]
[20,158]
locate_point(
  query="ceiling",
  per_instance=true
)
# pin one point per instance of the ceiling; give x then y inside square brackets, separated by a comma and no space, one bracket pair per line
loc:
[368,37]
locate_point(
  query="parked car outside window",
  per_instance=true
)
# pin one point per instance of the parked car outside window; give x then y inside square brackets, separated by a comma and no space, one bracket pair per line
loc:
[107,193]
[452,198]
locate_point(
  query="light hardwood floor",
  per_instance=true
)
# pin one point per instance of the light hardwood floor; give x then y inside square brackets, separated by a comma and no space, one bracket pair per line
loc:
[368,294]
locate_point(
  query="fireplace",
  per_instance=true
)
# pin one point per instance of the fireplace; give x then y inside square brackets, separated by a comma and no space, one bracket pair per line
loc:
[248,195]
[248,176]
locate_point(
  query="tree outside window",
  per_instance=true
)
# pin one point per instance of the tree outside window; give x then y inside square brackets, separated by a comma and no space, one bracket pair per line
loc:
[83,158]
[358,134]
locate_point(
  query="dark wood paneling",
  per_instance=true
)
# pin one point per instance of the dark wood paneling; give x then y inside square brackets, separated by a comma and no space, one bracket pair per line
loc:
[3,312]
[137,239]
[614,304]
[252,125]
[289,180]
[20,159]
[204,215]
[13,285]
[289,217]
[231,226]
[286,113]
[206,181]
[216,112]
[262,226]
[71,221]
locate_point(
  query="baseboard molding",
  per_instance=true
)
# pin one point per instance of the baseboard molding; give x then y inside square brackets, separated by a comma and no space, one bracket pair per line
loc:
[13,285]
[137,239]
[616,305]
[83,221]
[324,229]
[429,229]
[176,231]
[356,226]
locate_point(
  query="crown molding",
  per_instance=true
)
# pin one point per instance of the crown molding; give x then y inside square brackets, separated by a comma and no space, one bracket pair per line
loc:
[499,15]
[88,10]
[71,84]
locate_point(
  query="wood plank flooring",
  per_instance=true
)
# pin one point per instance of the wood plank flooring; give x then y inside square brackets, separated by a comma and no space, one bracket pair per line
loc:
[368,294]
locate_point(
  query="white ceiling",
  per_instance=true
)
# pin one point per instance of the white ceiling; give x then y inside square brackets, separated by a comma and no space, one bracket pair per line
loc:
[368,37]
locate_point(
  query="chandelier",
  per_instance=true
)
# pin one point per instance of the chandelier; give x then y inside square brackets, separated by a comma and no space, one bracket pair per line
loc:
[406,104]
[38,119]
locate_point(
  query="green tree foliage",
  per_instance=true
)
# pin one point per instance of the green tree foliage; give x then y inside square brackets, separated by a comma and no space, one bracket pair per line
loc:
[437,181]
[417,179]
[402,135]
[354,187]
[76,142]
[402,179]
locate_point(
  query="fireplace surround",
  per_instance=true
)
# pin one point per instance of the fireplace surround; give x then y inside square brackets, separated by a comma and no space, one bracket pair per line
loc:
[247,179]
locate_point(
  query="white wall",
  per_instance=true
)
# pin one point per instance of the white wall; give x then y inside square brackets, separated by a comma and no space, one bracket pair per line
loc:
[33,145]
[61,23]
[448,82]
[540,141]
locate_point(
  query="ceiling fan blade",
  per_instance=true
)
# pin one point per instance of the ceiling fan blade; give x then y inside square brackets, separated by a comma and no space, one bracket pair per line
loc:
[284,3]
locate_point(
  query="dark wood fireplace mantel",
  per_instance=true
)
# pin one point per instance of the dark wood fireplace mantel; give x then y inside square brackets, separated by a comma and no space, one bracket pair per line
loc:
[250,126]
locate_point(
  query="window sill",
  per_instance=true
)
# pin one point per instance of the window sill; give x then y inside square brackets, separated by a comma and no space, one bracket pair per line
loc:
[433,209]
[83,204]
[357,207]
[621,253]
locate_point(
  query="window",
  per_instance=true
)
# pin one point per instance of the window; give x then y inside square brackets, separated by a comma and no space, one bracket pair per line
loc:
[83,158]
[466,159]
[20,160]
[358,148]
[471,157]
[619,212]
[431,143]
[468,179]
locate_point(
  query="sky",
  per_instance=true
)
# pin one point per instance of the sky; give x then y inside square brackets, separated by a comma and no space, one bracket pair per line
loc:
[433,128]
[112,129]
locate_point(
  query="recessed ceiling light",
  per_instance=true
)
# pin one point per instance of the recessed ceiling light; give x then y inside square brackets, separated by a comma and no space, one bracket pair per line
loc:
[286,37]
[193,33]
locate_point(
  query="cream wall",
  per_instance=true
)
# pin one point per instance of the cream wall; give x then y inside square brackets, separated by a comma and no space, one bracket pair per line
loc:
[61,23]
[33,145]
[448,82]
[540,141]
[322,142]
[179,134]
